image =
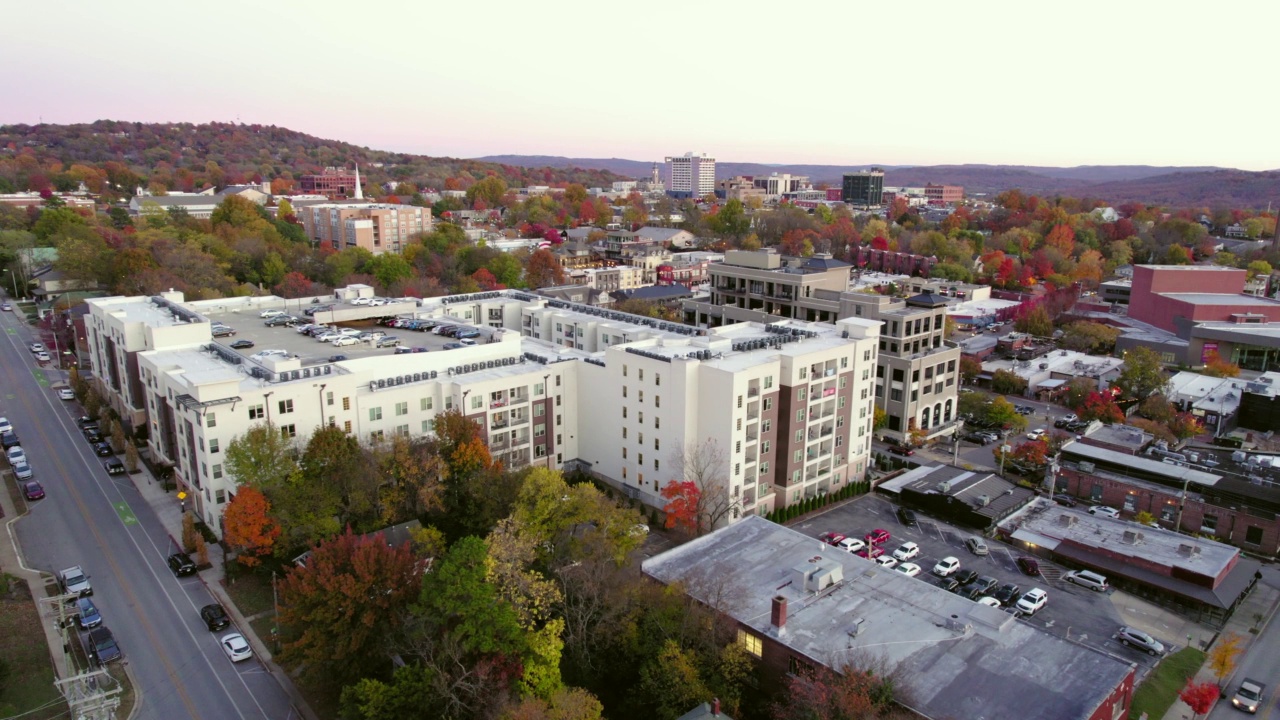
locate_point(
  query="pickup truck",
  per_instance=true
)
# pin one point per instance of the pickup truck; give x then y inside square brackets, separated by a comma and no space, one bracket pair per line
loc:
[73,580]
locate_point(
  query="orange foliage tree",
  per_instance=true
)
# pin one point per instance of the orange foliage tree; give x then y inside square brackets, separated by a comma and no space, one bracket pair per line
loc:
[683,499]
[250,529]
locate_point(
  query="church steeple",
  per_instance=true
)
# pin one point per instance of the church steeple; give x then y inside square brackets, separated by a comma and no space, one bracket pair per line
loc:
[359,190]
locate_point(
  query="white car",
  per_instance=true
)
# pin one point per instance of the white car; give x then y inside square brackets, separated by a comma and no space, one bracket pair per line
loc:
[1037,434]
[946,566]
[327,336]
[908,569]
[362,301]
[344,340]
[1031,601]
[5,426]
[35,347]
[268,314]
[378,302]
[350,331]
[1105,511]
[466,341]
[66,394]
[16,455]
[989,602]
[885,561]
[236,648]
[906,551]
[1070,417]
[43,357]
[851,545]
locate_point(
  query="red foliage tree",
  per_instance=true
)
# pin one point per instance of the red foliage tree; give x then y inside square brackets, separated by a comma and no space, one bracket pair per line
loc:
[1200,697]
[879,243]
[293,285]
[486,280]
[683,499]
[1101,406]
[249,527]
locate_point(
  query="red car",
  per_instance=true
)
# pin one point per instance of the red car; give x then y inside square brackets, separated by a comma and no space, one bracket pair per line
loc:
[32,490]
[870,552]
[831,538]
[877,537]
[1028,566]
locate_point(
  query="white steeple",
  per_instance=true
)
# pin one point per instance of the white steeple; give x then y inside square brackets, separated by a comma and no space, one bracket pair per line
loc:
[359,190]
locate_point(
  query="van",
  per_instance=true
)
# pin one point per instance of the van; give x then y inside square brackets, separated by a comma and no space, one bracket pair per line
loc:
[1087,578]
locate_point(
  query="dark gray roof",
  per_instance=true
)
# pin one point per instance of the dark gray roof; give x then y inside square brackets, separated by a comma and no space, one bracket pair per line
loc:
[656,292]
[928,299]
[825,263]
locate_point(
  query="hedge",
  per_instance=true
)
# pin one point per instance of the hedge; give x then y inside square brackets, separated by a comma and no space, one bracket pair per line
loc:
[808,505]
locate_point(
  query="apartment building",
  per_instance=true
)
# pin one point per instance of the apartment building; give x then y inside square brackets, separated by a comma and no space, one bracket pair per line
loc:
[864,188]
[376,227]
[332,183]
[785,409]
[917,369]
[943,194]
[691,175]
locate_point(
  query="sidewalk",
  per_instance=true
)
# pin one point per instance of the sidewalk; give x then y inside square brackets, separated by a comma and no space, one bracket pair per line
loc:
[168,509]
[1263,600]
[37,582]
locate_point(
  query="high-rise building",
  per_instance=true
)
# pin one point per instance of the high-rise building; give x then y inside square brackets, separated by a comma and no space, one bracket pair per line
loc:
[863,188]
[691,175]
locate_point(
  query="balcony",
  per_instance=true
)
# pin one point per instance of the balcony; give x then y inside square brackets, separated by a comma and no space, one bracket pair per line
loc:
[753,391]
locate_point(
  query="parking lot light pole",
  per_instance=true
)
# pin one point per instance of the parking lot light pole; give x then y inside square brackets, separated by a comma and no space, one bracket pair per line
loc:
[1004,453]
[955,455]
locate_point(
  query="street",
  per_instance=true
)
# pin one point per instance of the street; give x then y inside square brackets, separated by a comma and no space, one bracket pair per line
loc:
[100,523]
[1260,662]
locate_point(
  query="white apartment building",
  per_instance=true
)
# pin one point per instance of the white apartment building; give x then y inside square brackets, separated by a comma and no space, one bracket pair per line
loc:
[788,406]
[691,175]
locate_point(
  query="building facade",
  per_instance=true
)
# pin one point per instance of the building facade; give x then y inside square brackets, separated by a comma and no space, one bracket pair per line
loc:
[943,194]
[376,227]
[332,183]
[783,410]
[691,175]
[864,188]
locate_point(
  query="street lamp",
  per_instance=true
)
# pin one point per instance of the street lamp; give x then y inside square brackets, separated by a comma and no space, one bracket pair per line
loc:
[955,457]
[15,282]
[1004,453]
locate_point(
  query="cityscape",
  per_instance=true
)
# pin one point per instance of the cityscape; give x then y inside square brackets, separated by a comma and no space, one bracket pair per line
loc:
[445,400]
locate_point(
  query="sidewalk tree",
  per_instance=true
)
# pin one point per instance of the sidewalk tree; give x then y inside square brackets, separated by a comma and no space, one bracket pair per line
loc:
[189,533]
[1200,697]
[249,527]
[131,458]
[970,369]
[341,610]
[1224,655]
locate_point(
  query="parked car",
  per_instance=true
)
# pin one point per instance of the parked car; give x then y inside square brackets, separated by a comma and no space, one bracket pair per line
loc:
[964,577]
[1065,500]
[361,301]
[344,340]
[870,552]
[84,421]
[1104,511]
[114,466]
[885,561]
[222,331]
[452,346]
[906,551]
[988,601]
[1031,601]
[5,426]
[102,647]
[1087,578]
[23,471]
[86,614]
[43,357]
[851,545]
[102,449]
[236,647]
[466,341]
[1007,594]
[267,314]
[1137,639]
[878,536]
[946,566]
[946,583]
[73,580]
[181,564]
[977,438]
[66,394]
[901,450]
[327,336]
[32,490]
[977,546]
[982,586]
[907,568]
[337,358]
[16,455]
[1248,696]
[92,435]
[831,538]
[389,341]
[279,320]
[214,617]
[906,517]
[1029,566]
[36,347]
[241,345]
[9,439]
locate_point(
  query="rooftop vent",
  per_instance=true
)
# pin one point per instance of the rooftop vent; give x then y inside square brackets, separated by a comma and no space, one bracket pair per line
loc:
[1066,521]
[983,500]
[944,487]
[1132,537]
[1188,549]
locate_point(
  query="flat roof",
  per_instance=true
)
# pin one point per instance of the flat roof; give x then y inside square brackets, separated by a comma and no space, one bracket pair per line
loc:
[1155,467]
[956,658]
[1198,268]
[1202,298]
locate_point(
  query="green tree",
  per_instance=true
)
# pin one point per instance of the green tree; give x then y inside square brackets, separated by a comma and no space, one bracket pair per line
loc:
[334,459]
[506,269]
[1037,322]
[388,269]
[238,212]
[55,221]
[491,190]
[670,683]
[1007,382]
[1177,255]
[970,369]
[261,458]
[1090,337]
[1259,267]
[731,220]
[273,270]
[1141,374]
[1001,413]
[951,271]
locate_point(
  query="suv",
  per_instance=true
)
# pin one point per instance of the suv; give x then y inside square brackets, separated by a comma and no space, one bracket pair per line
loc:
[389,341]
[1085,578]
[906,517]
[1031,601]
[9,439]
[73,580]
[977,546]
[214,617]
[1249,696]
[181,564]
[1140,640]
[101,646]
[86,614]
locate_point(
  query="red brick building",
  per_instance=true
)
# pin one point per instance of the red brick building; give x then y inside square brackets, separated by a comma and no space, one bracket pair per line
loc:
[1175,297]
[943,194]
[333,183]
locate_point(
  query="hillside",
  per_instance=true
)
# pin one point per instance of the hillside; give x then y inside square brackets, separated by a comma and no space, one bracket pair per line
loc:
[184,156]
[1219,188]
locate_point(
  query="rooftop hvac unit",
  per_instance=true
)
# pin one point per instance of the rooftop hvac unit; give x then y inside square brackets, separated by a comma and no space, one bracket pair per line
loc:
[983,500]
[1086,467]
[1066,520]
[944,487]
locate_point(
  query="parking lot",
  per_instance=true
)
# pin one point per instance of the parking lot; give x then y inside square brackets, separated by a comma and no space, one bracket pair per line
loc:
[1075,612]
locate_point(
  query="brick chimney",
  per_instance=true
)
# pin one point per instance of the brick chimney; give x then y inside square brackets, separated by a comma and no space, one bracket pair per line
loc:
[778,615]
[715,707]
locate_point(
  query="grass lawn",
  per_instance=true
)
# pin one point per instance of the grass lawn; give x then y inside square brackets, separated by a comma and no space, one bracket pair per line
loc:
[1160,689]
[251,593]
[24,650]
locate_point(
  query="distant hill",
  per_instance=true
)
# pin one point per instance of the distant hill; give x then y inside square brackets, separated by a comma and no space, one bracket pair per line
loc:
[179,156]
[1161,185]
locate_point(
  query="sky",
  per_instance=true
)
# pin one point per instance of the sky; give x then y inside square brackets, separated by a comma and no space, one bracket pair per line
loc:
[923,83]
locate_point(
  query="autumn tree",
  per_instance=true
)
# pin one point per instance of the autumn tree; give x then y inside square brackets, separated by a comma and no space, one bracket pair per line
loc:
[1007,382]
[1100,406]
[1141,374]
[1217,366]
[1226,651]
[543,270]
[1200,697]
[670,684]
[248,527]
[705,466]
[491,190]
[1090,337]
[850,694]
[412,479]
[565,704]
[341,609]
[1185,425]
[477,493]
[1036,322]
[683,499]
[293,285]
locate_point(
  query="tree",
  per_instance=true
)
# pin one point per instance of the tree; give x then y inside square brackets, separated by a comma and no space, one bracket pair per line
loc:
[1200,697]
[340,610]
[730,220]
[1259,267]
[1216,366]
[670,683]
[491,190]
[1185,425]
[880,418]
[681,509]
[389,268]
[1090,337]
[1101,406]
[1223,656]
[248,526]
[1036,322]
[565,704]
[261,458]
[293,285]
[1141,374]
[413,479]
[1007,382]
[189,533]
[850,694]
[1177,255]
[543,270]
[705,466]
[1001,413]
[334,460]
[970,369]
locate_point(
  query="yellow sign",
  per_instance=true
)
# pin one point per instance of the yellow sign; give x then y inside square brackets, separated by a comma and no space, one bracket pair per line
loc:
[182,496]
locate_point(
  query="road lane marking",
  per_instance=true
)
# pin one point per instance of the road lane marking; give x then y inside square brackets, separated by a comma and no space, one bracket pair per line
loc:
[126,515]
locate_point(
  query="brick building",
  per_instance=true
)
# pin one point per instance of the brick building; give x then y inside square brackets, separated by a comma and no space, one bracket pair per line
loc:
[943,194]
[376,227]
[332,183]
[1176,297]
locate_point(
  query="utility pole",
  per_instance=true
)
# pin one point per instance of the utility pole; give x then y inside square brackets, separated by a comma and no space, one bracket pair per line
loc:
[92,694]
[1004,453]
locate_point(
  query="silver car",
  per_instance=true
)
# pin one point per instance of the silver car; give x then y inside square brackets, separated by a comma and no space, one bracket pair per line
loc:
[1140,640]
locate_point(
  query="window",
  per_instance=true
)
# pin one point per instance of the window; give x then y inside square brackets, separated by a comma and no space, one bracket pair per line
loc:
[797,456]
[539,389]
[328,398]
[800,415]
[750,643]
[557,385]
[624,391]
[657,401]
[737,446]
[655,466]
[426,403]
[448,403]
[539,410]
[641,396]
[739,402]
[640,374]
[402,430]
[738,424]
[766,426]
[624,371]
[768,381]
[375,414]
[764,447]
[624,413]
[256,412]
[220,496]
[764,469]
[402,408]
[657,423]
[737,470]
[346,426]
[376,437]
[624,453]
[539,430]
[1253,535]
[657,379]
[217,472]
[804,373]
[426,426]
[346,403]
[558,420]
[640,458]
[768,404]
[799,436]
[1130,503]
[800,395]
[210,420]
[286,406]
[213,446]
[477,402]
[1169,513]
[1209,524]
[288,431]
[657,443]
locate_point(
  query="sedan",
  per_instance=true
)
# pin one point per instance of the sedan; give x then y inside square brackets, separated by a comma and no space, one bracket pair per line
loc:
[906,551]
[906,517]
[885,561]
[23,471]
[1140,640]
[1029,566]
[337,358]
[92,435]
[326,336]
[977,439]
[5,425]
[6,307]
[114,466]
[32,490]
[345,340]
[901,450]
[66,394]
[236,648]
[831,538]
[181,564]
[964,577]
[43,357]
[36,347]
[214,617]
[1032,600]
[1008,594]
[908,569]
[102,449]
[946,566]
[878,536]
[989,602]
[1104,511]
[16,455]
[1037,434]
[241,345]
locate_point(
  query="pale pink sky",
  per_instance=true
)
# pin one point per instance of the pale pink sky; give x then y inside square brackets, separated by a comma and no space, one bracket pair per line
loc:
[1084,83]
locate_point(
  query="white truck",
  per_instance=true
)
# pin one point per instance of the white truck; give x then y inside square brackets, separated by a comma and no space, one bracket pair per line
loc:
[73,580]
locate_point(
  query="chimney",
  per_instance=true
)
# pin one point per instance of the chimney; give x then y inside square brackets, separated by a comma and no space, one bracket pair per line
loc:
[778,616]
[715,707]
